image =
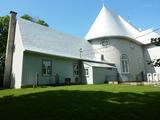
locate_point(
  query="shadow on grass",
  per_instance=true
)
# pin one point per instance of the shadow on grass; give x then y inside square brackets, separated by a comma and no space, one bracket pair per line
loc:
[81,105]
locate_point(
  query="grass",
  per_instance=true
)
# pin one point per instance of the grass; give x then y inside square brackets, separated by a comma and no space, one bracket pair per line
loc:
[81,102]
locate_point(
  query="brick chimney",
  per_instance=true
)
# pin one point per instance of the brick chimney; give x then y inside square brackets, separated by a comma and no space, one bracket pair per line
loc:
[9,50]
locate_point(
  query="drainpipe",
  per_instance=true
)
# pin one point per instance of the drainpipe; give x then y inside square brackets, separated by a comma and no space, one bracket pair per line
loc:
[9,50]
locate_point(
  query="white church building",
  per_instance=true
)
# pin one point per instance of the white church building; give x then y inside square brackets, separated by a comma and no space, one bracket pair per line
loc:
[113,49]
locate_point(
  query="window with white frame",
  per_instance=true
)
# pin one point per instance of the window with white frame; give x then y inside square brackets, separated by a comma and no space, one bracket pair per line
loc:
[86,71]
[46,67]
[125,63]
[105,42]
[75,69]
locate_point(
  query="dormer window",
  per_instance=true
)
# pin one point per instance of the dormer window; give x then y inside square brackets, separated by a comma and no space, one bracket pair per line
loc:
[105,43]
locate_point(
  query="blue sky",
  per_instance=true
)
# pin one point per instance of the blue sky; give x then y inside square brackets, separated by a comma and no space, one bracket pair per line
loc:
[76,16]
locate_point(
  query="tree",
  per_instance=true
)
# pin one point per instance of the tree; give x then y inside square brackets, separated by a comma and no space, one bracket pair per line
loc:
[27,17]
[155,62]
[4,23]
[38,21]
[155,41]
[42,22]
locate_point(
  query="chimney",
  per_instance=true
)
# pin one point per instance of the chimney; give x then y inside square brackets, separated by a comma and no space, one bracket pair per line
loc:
[9,50]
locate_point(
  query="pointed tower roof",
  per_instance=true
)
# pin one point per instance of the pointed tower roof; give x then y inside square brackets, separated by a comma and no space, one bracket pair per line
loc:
[109,24]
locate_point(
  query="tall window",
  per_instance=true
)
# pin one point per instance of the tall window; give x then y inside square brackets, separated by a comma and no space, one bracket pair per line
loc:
[46,67]
[75,69]
[125,63]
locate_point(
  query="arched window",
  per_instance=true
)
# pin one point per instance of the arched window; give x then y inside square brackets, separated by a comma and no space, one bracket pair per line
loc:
[125,63]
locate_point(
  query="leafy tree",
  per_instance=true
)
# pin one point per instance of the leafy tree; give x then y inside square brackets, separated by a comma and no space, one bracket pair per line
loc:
[155,41]
[155,62]
[4,23]
[27,17]
[38,21]
[42,22]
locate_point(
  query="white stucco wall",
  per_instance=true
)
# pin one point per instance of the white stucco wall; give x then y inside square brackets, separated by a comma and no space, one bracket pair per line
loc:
[33,64]
[17,60]
[152,52]
[118,46]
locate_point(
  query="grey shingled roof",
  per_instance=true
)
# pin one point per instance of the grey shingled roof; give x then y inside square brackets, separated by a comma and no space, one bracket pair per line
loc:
[41,39]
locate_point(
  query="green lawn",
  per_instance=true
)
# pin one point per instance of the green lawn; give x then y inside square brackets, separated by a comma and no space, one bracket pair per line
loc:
[81,102]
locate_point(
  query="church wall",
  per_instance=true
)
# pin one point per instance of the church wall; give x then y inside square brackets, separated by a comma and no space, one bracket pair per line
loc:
[151,52]
[33,65]
[113,51]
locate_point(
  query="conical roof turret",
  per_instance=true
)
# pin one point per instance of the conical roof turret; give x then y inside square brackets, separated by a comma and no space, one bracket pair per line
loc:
[108,23]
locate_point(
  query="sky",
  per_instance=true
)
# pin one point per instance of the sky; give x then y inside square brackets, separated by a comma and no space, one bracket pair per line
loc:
[76,16]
